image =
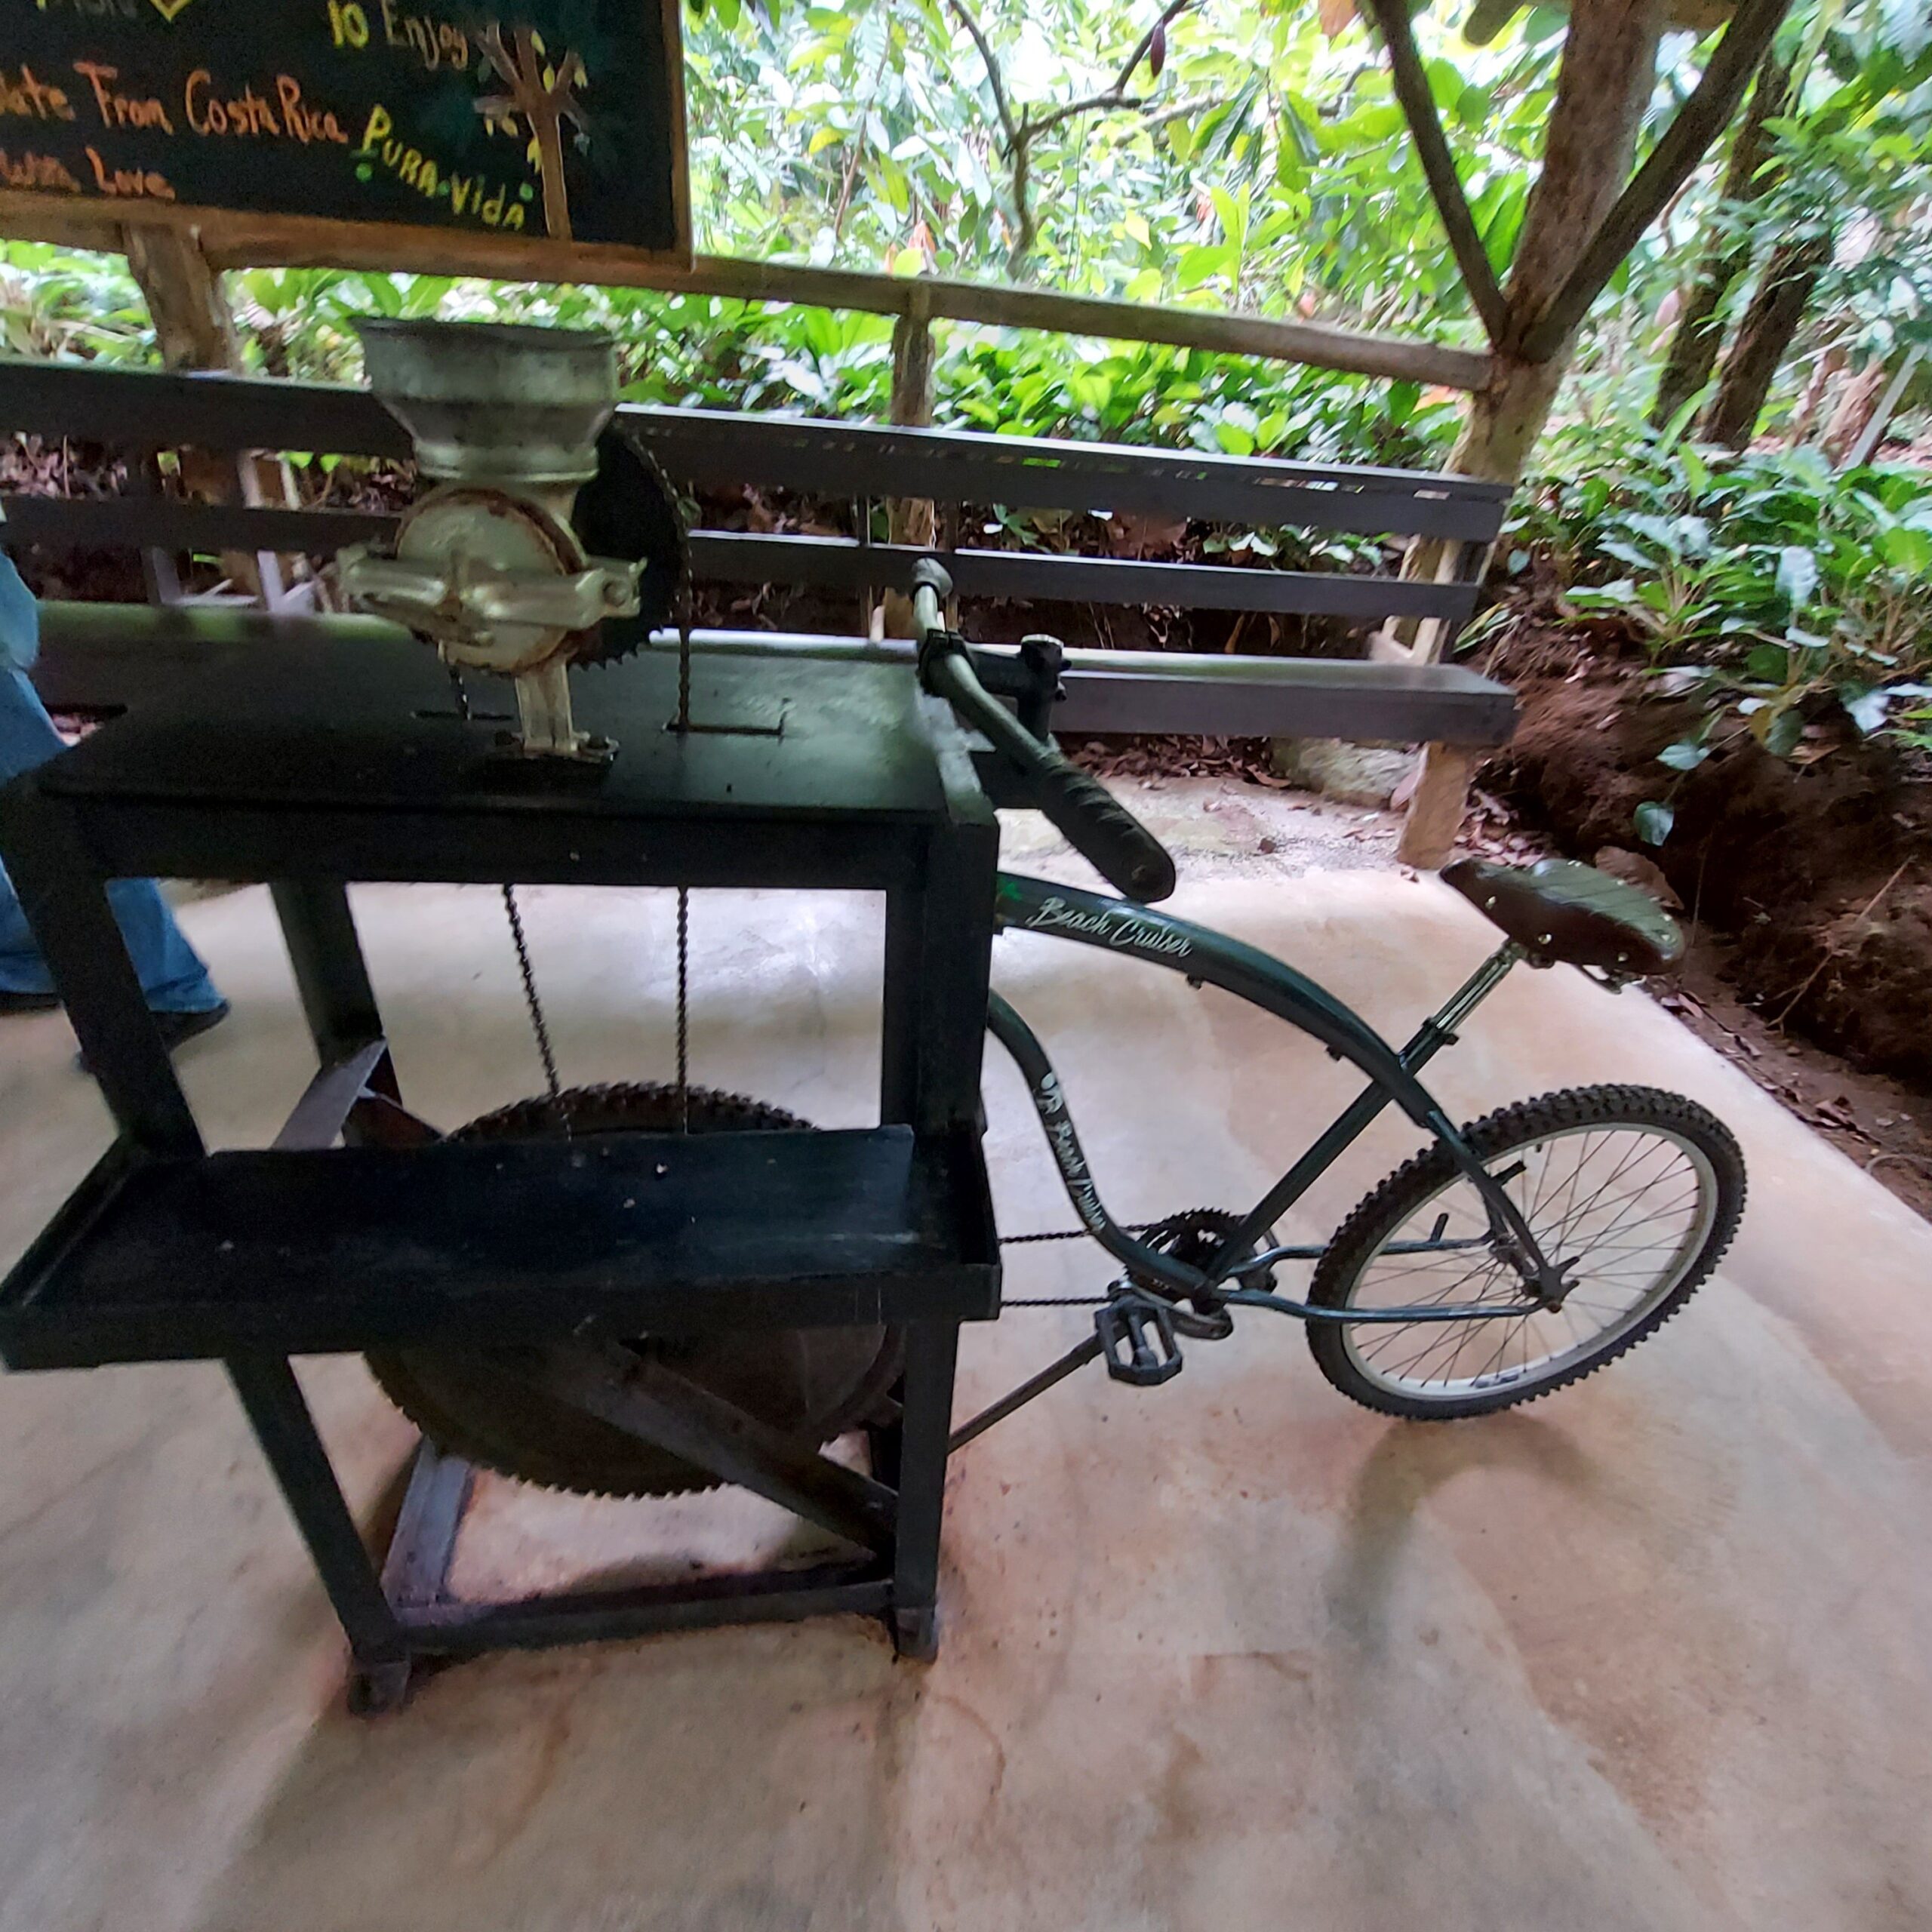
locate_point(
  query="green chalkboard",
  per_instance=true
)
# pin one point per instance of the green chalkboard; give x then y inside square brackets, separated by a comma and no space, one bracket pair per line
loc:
[559,122]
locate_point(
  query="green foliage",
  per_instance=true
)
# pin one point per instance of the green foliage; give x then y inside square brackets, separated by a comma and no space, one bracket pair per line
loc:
[1768,581]
[1264,167]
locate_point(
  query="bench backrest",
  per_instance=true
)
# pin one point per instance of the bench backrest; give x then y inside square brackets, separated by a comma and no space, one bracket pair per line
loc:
[136,414]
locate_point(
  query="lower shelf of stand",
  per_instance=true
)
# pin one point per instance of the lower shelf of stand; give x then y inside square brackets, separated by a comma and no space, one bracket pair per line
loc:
[316,1252]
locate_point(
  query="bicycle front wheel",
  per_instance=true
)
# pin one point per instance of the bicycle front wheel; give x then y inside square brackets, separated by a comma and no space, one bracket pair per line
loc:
[1634,1193]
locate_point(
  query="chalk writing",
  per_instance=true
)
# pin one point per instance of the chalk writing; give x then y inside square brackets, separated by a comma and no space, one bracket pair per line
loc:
[29,98]
[29,170]
[558,118]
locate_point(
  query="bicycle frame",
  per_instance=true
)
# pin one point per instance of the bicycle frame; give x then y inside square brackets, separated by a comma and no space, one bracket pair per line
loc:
[1088,918]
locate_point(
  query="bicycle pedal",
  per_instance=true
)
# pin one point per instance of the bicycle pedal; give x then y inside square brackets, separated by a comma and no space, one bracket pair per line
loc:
[1137,1342]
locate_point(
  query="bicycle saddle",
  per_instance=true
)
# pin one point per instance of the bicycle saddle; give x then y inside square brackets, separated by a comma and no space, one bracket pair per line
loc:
[1558,909]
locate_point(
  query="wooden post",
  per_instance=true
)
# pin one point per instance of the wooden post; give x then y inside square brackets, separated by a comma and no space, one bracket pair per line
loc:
[195,329]
[910,520]
[1435,811]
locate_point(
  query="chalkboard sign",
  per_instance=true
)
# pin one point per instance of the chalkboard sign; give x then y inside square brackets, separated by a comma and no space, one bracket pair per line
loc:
[556,123]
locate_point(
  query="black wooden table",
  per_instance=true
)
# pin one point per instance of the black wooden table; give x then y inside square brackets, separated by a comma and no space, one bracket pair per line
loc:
[313,763]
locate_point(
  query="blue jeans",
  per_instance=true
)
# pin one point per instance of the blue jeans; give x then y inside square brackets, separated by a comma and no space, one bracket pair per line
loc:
[170,974]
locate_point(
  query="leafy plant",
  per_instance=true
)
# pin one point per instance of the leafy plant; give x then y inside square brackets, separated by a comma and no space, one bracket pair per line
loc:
[1773,584]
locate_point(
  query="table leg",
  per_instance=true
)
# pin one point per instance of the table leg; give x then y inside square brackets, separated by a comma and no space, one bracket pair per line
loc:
[279,1414]
[931,1351]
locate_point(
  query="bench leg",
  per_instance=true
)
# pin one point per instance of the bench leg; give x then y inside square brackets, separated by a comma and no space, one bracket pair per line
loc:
[1435,811]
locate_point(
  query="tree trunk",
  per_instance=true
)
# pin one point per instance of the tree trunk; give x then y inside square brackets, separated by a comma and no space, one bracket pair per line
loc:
[1855,408]
[1504,419]
[1698,336]
[1784,292]
[187,302]
[1609,67]
[1610,59]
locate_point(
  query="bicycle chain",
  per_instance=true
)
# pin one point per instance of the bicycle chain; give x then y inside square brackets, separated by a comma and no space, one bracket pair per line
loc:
[538,1024]
[1061,1301]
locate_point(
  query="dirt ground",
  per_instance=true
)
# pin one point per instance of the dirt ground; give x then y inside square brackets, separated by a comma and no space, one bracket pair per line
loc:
[1817,869]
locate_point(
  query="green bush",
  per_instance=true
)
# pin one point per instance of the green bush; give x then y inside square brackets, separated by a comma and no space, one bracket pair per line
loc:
[1776,586]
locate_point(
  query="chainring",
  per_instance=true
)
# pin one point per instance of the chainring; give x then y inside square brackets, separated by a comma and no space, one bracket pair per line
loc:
[809,1384]
[1194,1236]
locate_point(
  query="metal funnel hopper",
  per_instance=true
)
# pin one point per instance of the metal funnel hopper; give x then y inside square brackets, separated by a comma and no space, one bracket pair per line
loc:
[491,404]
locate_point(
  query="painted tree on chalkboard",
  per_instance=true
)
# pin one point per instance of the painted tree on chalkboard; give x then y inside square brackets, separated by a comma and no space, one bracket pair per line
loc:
[545,95]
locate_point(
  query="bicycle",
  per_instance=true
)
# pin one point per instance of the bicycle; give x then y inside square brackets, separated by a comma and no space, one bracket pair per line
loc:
[1510,1258]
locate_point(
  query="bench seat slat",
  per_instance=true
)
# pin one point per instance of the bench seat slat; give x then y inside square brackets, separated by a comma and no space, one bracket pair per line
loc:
[834,563]
[107,656]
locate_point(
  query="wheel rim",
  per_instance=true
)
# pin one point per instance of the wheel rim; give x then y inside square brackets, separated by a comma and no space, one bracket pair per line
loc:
[1625,1210]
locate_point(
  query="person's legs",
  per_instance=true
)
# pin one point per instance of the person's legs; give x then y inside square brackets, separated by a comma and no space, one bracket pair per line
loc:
[171,974]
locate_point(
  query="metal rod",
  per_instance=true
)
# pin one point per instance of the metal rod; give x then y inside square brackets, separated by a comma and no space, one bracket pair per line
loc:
[1436,1032]
[1076,1357]
[1304,1311]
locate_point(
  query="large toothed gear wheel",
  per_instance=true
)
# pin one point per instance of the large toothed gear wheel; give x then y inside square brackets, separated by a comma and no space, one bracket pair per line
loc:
[810,1384]
[629,510]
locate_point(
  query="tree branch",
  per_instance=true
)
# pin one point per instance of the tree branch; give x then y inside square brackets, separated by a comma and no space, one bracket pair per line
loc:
[1093,103]
[1438,166]
[995,77]
[1682,145]
[1022,131]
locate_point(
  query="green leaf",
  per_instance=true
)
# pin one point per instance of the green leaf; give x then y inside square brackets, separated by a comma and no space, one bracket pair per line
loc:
[1798,574]
[1778,727]
[1685,756]
[1652,821]
[1771,661]
[1201,263]
[1866,709]
[1908,549]
[1233,439]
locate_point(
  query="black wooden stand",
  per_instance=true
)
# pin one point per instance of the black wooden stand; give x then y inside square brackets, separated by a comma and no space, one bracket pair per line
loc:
[310,765]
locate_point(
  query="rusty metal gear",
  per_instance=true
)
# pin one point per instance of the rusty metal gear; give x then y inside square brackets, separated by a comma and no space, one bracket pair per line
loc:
[812,1384]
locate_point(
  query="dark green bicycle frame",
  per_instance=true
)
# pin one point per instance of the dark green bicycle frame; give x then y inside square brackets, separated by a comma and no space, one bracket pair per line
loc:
[1115,925]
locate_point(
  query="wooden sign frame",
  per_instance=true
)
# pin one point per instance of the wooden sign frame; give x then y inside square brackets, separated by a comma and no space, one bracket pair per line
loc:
[87,221]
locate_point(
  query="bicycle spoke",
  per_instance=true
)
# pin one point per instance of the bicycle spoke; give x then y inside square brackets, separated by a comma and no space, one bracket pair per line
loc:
[1613,1207]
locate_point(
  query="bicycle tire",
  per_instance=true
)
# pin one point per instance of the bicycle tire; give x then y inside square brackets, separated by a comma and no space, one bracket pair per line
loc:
[1426,1179]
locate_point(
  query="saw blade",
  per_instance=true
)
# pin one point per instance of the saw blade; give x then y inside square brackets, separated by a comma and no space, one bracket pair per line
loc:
[809,1384]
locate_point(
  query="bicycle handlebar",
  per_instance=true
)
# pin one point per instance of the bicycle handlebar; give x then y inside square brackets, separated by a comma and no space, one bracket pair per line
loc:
[1117,846]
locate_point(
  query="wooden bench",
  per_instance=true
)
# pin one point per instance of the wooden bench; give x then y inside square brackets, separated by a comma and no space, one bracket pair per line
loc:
[1451,710]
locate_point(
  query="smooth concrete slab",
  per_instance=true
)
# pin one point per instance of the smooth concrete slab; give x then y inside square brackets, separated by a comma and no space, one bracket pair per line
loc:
[1233,1654]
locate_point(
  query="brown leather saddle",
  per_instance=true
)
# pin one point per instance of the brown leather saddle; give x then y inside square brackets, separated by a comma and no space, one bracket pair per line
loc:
[1558,909]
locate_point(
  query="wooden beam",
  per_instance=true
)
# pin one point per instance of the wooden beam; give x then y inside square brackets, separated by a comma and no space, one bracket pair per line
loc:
[909,520]
[1438,165]
[236,242]
[1669,165]
[1440,803]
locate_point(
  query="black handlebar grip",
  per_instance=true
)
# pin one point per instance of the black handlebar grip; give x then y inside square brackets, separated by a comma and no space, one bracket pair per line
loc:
[1119,847]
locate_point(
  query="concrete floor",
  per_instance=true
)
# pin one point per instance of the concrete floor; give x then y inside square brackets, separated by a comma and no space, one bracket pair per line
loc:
[1231,1654]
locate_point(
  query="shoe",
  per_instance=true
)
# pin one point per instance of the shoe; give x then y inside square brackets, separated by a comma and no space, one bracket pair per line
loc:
[176,1028]
[12,1002]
